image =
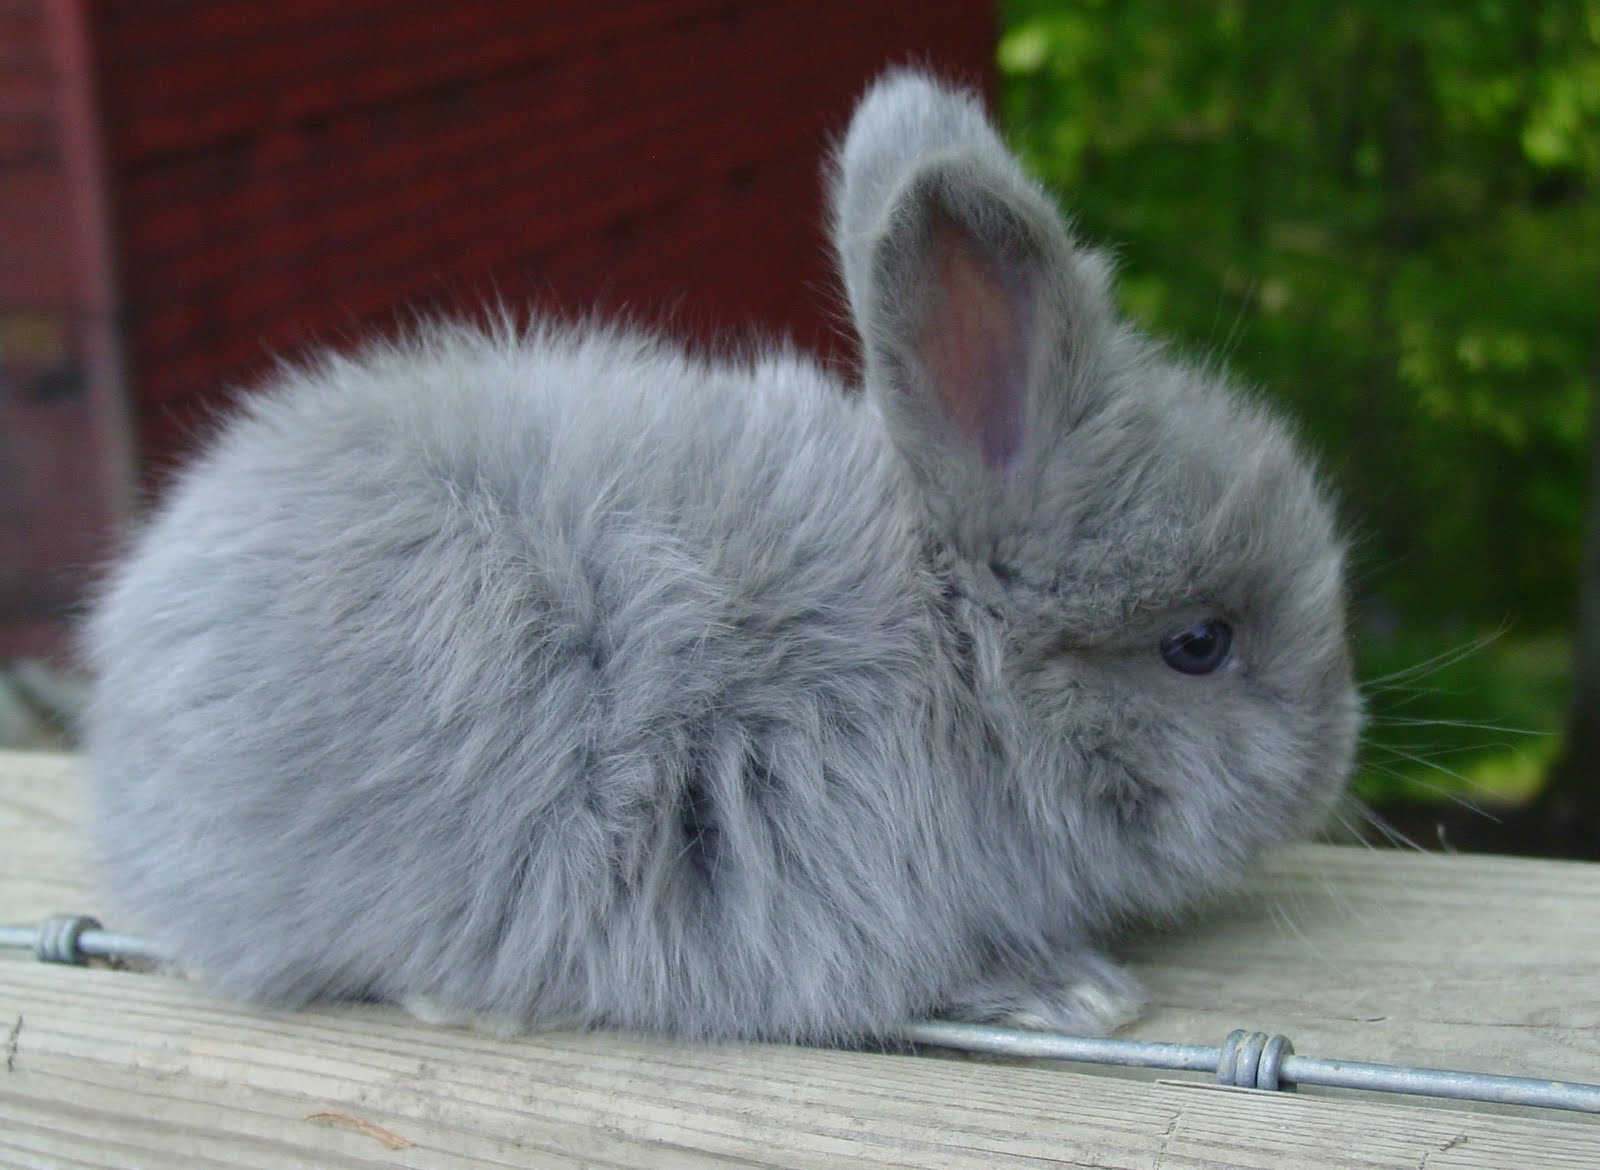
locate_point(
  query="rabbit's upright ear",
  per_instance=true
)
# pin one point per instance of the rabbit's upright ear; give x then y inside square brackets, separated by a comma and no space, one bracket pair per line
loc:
[976,313]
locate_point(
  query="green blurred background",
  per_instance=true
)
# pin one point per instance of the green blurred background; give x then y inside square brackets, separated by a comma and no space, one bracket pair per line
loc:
[1385,216]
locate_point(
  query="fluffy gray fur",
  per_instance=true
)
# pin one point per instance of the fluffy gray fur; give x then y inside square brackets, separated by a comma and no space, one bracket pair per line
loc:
[558,675]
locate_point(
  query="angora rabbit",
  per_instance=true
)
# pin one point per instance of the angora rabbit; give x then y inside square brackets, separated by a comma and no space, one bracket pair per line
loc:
[560,676]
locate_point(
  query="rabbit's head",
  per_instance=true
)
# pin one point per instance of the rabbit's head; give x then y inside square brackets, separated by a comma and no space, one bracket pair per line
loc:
[1156,577]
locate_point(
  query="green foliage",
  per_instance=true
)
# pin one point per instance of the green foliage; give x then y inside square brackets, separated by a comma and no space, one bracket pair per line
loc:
[1481,720]
[1386,215]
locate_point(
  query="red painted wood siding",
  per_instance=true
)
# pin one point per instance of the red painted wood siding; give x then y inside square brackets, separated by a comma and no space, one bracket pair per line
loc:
[300,171]
[55,503]
[282,173]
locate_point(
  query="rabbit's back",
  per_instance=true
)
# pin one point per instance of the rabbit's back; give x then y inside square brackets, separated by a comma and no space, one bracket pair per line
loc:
[561,658]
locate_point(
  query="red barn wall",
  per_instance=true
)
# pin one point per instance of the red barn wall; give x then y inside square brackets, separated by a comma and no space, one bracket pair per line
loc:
[59,467]
[191,187]
[300,171]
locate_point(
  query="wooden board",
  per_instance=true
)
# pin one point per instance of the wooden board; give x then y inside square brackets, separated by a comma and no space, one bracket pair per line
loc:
[1460,962]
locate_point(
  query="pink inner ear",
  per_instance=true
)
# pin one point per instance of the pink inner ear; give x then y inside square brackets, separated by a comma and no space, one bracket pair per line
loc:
[974,341]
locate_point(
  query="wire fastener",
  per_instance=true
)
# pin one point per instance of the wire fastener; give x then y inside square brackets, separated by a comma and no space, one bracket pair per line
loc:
[74,939]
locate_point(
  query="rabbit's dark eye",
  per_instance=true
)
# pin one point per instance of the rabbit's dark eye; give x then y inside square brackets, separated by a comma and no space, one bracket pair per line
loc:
[1198,649]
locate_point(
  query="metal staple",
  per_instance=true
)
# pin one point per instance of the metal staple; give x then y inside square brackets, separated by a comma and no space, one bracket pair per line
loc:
[1251,1060]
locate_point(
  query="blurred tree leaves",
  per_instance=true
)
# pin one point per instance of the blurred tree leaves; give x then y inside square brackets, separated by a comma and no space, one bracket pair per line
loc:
[1386,215]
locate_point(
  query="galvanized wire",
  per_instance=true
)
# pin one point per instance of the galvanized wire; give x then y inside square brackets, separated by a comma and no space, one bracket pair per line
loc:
[75,939]
[1245,1059]
[1254,1060]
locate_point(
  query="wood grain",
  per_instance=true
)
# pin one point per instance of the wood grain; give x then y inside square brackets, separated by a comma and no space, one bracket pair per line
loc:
[1463,962]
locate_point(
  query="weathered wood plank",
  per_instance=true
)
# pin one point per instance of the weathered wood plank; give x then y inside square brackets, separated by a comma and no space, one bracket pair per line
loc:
[1469,962]
[43,866]
[1486,963]
[170,1072]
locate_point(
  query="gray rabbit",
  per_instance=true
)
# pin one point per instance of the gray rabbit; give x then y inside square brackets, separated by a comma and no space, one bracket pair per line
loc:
[559,676]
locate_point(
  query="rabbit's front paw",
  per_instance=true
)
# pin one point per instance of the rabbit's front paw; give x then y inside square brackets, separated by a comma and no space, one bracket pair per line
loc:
[1090,995]
[435,1013]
